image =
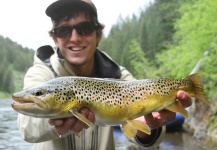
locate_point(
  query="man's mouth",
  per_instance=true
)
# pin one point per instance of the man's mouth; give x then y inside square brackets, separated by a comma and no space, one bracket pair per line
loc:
[76,48]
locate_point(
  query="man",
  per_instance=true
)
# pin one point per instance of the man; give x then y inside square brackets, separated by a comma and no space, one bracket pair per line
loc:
[77,32]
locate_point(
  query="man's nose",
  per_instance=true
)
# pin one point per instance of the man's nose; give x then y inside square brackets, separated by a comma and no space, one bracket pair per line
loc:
[75,37]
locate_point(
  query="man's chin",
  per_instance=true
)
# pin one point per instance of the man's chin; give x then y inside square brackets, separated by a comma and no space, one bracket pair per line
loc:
[76,62]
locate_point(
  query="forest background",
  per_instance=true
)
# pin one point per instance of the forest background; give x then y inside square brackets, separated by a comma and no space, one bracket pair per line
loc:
[165,40]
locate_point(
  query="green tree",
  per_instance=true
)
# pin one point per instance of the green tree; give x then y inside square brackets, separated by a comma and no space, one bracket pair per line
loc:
[3,70]
[208,71]
[13,58]
[8,81]
[156,26]
[153,29]
[195,33]
[138,64]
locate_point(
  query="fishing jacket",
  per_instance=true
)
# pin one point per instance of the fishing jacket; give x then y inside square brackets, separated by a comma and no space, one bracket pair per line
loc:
[49,64]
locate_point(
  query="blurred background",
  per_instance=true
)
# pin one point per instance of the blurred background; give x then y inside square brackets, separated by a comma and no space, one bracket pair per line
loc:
[159,38]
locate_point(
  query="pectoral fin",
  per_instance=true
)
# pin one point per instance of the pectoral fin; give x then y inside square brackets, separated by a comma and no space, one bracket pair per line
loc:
[178,107]
[82,118]
[131,127]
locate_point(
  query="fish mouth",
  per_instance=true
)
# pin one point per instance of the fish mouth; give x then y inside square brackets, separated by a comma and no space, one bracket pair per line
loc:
[28,101]
[21,100]
[32,106]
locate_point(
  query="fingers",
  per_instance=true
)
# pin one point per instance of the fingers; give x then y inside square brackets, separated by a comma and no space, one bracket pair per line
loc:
[184,98]
[158,119]
[55,122]
[79,125]
[63,125]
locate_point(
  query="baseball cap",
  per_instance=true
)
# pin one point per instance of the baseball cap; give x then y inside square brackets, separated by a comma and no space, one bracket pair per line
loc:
[61,6]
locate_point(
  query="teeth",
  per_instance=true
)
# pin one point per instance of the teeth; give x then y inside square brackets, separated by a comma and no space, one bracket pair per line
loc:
[76,48]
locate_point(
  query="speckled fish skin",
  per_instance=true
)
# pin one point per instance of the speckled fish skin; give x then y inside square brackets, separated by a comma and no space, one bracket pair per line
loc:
[112,101]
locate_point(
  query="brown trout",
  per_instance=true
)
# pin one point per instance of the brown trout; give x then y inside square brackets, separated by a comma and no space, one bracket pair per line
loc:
[114,102]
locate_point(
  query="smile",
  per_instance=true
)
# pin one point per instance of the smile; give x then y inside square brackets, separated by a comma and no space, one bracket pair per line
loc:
[76,48]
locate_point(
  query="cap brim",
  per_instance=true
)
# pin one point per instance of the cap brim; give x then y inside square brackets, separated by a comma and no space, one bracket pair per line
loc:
[58,7]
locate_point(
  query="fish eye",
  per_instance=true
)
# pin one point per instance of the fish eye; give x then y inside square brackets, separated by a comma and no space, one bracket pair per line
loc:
[38,93]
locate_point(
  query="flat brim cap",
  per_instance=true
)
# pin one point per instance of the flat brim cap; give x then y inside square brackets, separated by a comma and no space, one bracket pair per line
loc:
[61,6]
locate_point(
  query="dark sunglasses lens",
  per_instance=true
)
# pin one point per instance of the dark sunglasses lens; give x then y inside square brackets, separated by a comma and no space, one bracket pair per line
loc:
[63,31]
[85,28]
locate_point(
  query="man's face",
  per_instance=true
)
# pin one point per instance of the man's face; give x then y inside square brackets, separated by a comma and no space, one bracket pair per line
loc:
[78,50]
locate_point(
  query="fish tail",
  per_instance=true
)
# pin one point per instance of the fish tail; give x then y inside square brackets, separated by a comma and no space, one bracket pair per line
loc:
[199,92]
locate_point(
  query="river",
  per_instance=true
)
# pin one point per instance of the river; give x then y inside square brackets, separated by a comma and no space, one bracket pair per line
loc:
[10,137]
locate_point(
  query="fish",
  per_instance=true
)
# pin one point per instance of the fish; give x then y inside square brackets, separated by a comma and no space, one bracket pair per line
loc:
[113,101]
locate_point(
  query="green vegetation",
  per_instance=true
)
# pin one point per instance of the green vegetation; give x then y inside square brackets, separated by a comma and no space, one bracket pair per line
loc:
[137,60]
[171,36]
[14,61]
[166,39]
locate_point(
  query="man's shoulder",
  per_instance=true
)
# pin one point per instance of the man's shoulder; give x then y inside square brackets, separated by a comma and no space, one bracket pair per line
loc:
[41,65]
[44,52]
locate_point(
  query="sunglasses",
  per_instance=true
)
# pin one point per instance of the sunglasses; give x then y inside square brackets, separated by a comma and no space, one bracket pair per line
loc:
[83,28]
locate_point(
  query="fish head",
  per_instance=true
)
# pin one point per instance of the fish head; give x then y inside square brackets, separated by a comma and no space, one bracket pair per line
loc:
[50,100]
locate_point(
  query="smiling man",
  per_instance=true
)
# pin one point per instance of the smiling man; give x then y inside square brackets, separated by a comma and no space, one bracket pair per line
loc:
[76,33]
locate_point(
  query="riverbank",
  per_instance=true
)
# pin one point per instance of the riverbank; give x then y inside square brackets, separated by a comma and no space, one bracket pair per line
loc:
[202,123]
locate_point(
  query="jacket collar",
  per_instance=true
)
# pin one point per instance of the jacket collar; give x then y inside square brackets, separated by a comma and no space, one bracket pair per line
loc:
[104,66]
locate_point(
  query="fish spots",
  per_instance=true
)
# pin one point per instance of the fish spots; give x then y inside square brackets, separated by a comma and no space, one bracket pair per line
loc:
[63,94]
[107,93]
[165,86]
[114,93]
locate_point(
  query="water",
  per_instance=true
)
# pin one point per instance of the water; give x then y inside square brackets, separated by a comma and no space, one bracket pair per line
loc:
[10,137]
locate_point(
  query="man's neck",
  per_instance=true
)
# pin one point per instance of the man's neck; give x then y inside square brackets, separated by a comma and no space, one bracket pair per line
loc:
[84,70]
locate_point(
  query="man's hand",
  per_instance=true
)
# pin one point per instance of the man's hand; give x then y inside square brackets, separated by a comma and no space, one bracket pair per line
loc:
[158,119]
[62,126]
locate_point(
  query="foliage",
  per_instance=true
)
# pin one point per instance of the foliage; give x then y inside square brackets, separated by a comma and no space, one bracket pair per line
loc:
[173,35]
[156,25]
[138,63]
[153,29]
[13,58]
[117,42]
[195,33]
[209,71]
[166,39]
